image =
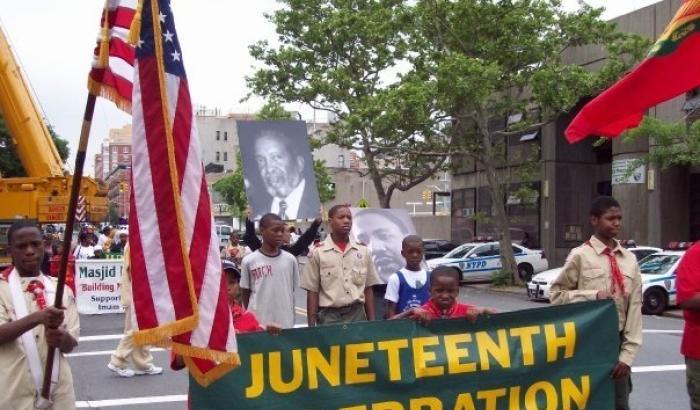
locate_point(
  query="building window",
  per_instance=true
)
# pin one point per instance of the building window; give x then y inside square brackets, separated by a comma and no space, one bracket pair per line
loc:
[225,156]
[218,136]
[225,137]
[341,161]
[218,156]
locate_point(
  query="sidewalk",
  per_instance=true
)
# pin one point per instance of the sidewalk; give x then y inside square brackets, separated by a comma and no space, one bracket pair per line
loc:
[674,312]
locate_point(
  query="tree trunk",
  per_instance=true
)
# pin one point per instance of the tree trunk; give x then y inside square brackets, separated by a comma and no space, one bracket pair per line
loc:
[383,194]
[500,216]
[498,203]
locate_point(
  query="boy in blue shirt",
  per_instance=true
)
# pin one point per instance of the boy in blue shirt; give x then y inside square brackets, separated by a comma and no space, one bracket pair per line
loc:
[409,287]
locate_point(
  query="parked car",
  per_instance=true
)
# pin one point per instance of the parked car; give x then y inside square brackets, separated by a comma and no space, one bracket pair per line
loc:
[642,252]
[436,248]
[538,286]
[659,281]
[479,261]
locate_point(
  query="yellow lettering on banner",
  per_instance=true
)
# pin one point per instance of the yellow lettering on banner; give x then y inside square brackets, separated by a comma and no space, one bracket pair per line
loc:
[392,348]
[426,403]
[421,357]
[354,408]
[490,397]
[454,354]
[525,334]
[488,347]
[316,363]
[570,392]
[276,382]
[554,342]
[353,363]
[387,405]
[550,395]
[257,376]
[514,398]
[465,402]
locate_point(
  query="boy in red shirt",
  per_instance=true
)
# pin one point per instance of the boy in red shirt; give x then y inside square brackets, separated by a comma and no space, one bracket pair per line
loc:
[688,284]
[444,289]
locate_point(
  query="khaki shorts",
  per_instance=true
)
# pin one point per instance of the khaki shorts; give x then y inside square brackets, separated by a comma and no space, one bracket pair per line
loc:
[692,376]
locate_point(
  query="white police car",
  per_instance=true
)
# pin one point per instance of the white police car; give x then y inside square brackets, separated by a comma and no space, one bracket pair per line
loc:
[479,260]
[659,280]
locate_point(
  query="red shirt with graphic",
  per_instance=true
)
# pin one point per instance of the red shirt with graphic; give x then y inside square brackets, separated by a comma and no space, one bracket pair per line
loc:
[457,310]
[688,285]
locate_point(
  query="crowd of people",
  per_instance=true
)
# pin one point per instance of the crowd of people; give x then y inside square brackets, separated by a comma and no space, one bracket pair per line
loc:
[263,275]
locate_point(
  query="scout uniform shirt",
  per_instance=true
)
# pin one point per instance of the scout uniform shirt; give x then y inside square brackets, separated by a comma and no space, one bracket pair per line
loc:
[588,270]
[340,278]
[15,377]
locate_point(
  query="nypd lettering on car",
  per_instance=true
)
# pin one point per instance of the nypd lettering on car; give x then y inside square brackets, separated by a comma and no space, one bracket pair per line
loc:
[480,260]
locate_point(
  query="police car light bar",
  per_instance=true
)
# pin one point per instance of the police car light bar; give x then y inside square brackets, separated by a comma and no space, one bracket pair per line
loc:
[679,246]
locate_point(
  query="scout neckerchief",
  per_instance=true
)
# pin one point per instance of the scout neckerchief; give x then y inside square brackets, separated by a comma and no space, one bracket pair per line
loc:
[44,292]
[618,282]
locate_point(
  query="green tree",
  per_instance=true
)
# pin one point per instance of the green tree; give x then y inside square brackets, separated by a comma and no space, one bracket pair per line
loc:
[232,188]
[10,164]
[326,189]
[675,143]
[490,60]
[273,110]
[341,57]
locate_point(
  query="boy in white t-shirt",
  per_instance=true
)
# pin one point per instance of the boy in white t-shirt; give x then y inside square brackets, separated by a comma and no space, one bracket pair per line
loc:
[409,287]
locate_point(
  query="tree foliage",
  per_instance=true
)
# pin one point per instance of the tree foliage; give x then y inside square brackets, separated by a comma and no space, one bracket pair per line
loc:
[412,82]
[490,60]
[675,143]
[10,164]
[343,57]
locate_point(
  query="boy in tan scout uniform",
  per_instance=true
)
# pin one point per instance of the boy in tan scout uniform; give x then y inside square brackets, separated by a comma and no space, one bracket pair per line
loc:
[339,276]
[602,269]
[29,324]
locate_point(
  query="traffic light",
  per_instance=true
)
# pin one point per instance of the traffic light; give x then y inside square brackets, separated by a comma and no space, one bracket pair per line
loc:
[122,186]
[427,196]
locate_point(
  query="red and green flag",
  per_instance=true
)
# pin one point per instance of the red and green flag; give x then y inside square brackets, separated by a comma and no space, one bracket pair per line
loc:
[671,68]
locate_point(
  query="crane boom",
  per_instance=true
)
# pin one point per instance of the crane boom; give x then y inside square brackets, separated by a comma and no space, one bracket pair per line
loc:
[31,137]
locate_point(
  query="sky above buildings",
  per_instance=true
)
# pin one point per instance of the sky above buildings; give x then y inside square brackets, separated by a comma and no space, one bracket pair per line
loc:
[55,40]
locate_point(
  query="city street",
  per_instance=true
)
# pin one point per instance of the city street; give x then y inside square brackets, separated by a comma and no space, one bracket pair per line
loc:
[659,378]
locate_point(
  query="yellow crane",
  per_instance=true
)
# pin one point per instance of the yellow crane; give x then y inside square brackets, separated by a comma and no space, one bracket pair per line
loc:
[43,194]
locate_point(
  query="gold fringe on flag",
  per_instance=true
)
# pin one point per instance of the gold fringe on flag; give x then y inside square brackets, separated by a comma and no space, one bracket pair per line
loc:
[105,91]
[205,379]
[135,29]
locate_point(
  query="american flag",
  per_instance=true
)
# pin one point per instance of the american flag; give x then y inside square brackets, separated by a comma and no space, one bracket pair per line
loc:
[179,291]
[113,64]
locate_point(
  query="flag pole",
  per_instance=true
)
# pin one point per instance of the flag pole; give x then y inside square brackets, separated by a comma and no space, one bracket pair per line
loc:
[68,233]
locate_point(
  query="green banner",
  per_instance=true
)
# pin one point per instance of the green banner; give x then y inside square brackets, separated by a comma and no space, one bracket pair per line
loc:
[557,357]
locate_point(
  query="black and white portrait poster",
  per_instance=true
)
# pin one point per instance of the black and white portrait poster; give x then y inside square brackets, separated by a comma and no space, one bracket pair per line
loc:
[278,169]
[383,230]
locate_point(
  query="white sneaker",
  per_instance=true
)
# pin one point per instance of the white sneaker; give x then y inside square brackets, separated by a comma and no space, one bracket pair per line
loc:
[121,371]
[152,370]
